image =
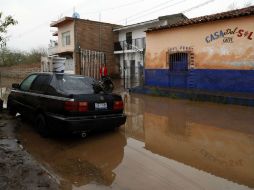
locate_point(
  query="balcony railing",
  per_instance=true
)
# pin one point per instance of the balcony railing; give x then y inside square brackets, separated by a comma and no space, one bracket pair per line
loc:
[53,50]
[135,44]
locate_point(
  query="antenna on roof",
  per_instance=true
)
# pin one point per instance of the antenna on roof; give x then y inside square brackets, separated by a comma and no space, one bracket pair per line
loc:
[60,16]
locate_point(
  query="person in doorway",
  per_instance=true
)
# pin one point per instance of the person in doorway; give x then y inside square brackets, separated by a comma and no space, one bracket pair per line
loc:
[103,71]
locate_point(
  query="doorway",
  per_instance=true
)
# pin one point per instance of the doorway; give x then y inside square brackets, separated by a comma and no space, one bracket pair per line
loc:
[178,69]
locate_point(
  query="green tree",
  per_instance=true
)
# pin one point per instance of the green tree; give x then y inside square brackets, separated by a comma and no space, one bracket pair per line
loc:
[4,23]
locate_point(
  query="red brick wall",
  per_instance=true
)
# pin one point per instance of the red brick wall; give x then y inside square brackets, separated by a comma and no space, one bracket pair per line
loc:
[97,36]
[19,71]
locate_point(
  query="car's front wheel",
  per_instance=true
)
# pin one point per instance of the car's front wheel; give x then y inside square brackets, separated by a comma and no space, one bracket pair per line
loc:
[11,109]
[41,126]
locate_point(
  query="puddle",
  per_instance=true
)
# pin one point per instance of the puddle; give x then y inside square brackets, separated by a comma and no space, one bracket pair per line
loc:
[165,144]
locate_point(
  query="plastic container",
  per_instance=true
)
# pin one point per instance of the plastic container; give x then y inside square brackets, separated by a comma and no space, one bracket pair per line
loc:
[58,64]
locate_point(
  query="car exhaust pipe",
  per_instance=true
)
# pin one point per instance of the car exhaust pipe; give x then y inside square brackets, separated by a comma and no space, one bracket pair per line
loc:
[83,134]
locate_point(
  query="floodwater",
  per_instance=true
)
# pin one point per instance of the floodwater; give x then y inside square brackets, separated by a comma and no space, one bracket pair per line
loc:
[165,144]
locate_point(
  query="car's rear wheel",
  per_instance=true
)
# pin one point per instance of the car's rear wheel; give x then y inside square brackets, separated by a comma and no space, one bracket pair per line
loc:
[41,126]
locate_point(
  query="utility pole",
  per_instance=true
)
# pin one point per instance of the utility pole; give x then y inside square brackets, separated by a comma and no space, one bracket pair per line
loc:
[100,31]
[123,65]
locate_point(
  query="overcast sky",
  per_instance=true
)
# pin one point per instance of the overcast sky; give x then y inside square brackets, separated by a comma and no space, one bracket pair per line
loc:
[34,17]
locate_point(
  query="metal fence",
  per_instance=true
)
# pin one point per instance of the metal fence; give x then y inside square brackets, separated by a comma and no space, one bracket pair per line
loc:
[91,62]
[138,43]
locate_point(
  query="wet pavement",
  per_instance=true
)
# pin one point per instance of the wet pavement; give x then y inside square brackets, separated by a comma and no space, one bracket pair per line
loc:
[165,144]
[18,170]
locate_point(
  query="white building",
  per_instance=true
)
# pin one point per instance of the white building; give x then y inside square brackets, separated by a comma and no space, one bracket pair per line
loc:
[130,47]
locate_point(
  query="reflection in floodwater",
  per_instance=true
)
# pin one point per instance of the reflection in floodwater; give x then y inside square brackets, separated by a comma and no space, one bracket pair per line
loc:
[165,144]
[77,161]
[215,138]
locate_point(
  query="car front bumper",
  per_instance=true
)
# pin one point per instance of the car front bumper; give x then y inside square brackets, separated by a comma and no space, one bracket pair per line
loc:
[85,123]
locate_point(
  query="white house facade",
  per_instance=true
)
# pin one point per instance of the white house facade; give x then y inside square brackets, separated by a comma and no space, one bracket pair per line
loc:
[130,48]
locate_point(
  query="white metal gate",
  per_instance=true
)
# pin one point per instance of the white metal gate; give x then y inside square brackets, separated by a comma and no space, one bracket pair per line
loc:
[69,66]
[91,62]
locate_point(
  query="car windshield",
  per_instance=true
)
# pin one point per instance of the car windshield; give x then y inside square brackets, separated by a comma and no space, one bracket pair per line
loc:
[70,84]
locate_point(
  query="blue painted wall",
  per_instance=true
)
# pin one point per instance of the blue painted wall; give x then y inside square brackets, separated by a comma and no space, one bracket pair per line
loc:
[204,79]
[157,77]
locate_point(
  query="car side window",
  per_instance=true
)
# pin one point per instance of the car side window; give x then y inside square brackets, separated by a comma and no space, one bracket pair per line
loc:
[25,85]
[41,83]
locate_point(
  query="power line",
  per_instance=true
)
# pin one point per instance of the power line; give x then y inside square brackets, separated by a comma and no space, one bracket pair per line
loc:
[154,9]
[187,10]
[159,10]
[43,23]
[115,7]
[197,6]
[46,22]
[31,30]
[140,12]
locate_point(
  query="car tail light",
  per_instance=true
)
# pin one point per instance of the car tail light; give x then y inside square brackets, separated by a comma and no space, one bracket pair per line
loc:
[118,105]
[82,106]
[76,106]
[71,106]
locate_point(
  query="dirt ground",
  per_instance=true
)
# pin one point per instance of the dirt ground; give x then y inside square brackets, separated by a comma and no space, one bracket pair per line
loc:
[18,170]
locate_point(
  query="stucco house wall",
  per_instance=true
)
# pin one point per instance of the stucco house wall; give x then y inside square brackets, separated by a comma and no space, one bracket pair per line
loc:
[221,54]
[68,27]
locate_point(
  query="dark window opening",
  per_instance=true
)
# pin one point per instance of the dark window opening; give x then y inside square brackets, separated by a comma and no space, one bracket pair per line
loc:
[178,62]
[129,37]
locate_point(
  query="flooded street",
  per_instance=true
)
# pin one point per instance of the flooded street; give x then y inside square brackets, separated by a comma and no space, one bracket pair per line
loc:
[165,144]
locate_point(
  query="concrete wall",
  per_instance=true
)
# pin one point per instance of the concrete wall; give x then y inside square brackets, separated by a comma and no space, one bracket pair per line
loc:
[20,70]
[16,73]
[223,55]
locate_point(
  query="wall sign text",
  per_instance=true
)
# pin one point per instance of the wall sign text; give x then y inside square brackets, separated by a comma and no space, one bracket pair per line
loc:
[228,35]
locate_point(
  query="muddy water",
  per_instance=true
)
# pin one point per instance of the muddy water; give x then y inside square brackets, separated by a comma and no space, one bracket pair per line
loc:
[165,144]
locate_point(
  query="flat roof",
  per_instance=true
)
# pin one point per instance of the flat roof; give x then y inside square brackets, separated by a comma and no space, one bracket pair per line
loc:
[61,21]
[65,20]
[136,25]
[208,18]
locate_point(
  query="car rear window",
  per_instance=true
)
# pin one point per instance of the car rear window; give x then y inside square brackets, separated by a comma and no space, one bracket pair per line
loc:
[70,84]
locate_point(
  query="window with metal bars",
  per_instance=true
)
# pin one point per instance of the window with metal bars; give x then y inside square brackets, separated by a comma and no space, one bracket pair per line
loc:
[178,61]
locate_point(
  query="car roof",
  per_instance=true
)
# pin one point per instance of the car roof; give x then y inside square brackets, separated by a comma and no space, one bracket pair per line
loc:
[55,73]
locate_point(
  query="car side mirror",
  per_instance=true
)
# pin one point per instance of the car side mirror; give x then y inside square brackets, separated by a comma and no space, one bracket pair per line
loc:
[15,86]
